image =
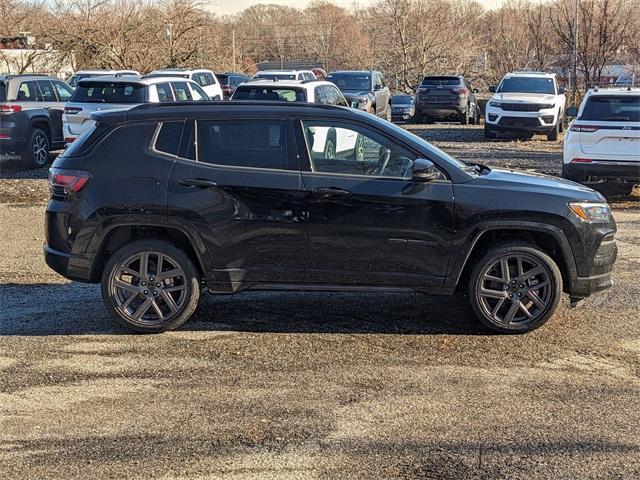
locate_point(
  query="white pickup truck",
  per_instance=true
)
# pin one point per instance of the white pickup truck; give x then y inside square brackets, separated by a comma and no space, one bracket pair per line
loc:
[526,103]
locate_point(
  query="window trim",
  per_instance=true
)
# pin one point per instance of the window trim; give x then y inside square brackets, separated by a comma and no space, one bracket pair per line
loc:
[291,144]
[156,134]
[309,167]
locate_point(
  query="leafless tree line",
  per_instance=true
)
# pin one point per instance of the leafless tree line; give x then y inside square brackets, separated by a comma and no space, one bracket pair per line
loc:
[404,38]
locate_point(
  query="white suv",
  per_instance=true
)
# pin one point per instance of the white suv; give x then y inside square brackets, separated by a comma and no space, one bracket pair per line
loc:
[526,102]
[205,78]
[286,75]
[604,139]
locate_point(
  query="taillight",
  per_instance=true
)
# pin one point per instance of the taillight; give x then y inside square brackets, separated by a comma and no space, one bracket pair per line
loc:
[581,160]
[584,128]
[69,139]
[72,110]
[8,108]
[71,181]
[461,91]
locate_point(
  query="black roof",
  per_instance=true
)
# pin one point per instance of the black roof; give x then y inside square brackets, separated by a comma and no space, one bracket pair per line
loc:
[161,111]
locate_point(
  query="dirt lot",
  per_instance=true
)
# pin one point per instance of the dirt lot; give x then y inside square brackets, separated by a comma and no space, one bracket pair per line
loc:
[315,385]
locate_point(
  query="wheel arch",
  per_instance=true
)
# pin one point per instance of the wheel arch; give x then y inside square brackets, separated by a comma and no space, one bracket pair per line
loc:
[548,238]
[43,124]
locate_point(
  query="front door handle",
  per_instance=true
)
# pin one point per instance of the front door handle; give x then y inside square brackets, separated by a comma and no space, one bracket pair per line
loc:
[197,182]
[331,192]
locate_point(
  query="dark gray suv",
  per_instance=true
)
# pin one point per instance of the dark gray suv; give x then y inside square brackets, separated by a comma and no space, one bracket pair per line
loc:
[365,90]
[448,97]
[31,108]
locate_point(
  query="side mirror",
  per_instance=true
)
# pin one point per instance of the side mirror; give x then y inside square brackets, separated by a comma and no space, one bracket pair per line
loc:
[354,104]
[424,170]
[378,87]
[562,90]
[492,88]
[572,112]
[475,90]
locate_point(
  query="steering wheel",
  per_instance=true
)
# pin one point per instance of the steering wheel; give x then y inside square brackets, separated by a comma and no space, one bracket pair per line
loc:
[383,161]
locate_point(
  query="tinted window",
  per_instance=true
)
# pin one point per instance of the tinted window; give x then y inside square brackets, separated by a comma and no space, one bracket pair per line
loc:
[168,139]
[441,81]
[224,79]
[355,150]
[321,95]
[3,91]
[527,85]
[181,91]
[401,100]
[64,92]
[209,78]
[235,81]
[106,92]
[86,139]
[129,141]
[46,91]
[244,143]
[274,76]
[28,92]
[282,94]
[350,81]
[164,92]
[616,108]
[197,92]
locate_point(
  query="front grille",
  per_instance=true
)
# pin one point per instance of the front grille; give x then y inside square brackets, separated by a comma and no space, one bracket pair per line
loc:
[521,107]
[519,122]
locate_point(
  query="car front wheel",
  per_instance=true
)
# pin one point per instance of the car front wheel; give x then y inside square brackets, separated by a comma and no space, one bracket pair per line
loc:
[515,288]
[150,286]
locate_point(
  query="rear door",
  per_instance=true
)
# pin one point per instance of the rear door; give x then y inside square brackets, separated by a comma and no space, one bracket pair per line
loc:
[239,184]
[615,126]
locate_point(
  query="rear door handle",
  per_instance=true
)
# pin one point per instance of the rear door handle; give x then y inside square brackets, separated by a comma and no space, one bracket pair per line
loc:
[331,192]
[198,182]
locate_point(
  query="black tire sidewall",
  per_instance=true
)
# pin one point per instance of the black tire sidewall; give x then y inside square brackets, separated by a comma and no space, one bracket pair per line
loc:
[493,255]
[28,160]
[192,280]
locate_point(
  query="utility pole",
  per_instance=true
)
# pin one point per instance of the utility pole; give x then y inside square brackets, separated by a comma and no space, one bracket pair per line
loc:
[575,51]
[233,48]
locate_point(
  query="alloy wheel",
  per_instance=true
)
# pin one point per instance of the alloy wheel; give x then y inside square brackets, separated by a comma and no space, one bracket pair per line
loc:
[515,290]
[40,148]
[148,288]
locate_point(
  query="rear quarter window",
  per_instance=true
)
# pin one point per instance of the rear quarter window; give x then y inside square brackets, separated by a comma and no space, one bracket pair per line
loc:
[168,137]
[87,139]
[105,92]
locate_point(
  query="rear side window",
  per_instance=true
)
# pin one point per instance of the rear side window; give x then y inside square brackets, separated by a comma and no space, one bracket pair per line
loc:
[244,143]
[612,108]
[441,81]
[28,92]
[168,137]
[181,91]
[87,139]
[105,92]
[211,80]
[164,92]
[46,90]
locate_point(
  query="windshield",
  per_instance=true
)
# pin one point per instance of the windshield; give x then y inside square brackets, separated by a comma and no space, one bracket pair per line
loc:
[276,76]
[612,108]
[527,85]
[401,100]
[106,92]
[349,81]
[278,94]
[441,81]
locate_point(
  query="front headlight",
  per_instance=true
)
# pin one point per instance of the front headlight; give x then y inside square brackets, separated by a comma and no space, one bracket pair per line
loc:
[591,212]
[362,99]
[495,104]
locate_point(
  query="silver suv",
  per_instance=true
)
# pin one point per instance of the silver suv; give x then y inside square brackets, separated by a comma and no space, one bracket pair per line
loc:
[122,92]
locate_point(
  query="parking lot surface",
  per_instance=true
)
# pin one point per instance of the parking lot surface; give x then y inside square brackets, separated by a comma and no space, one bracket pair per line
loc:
[315,385]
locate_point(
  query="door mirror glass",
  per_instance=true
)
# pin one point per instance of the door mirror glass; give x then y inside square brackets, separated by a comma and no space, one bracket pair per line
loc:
[562,90]
[475,90]
[572,112]
[424,170]
[492,88]
[354,104]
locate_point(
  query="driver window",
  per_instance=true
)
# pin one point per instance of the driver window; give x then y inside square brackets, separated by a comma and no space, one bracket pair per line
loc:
[355,150]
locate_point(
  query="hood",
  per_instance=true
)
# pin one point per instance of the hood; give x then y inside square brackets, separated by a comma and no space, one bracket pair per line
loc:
[349,94]
[537,182]
[524,97]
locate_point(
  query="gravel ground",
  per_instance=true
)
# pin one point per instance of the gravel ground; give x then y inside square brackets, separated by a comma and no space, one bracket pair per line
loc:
[315,385]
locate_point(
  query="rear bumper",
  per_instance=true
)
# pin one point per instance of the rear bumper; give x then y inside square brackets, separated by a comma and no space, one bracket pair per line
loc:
[441,109]
[69,266]
[602,168]
[11,148]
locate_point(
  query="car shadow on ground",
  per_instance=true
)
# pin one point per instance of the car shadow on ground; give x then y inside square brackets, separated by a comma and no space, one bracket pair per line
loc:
[77,309]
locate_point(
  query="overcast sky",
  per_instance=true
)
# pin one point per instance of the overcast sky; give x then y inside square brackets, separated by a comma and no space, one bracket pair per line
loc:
[223,7]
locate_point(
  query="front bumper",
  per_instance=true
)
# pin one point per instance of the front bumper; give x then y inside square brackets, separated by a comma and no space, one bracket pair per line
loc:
[541,121]
[600,270]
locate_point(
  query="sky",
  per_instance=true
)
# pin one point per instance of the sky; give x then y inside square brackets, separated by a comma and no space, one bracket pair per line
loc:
[224,7]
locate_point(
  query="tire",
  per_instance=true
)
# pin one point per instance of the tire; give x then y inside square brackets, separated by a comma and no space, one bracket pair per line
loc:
[553,135]
[464,118]
[503,299]
[358,150]
[128,293]
[387,115]
[36,153]
[330,147]
[569,176]
[488,133]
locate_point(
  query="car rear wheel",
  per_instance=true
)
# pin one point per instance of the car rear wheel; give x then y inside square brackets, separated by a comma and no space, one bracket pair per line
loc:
[150,286]
[464,118]
[553,135]
[515,288]
[36,154]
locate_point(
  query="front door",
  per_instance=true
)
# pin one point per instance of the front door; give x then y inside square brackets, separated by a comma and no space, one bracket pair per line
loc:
[240,186]
[369,223]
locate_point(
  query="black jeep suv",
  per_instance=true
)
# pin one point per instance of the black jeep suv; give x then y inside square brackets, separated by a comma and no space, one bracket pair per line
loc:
[162,201]
[31,108]
[447,98]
